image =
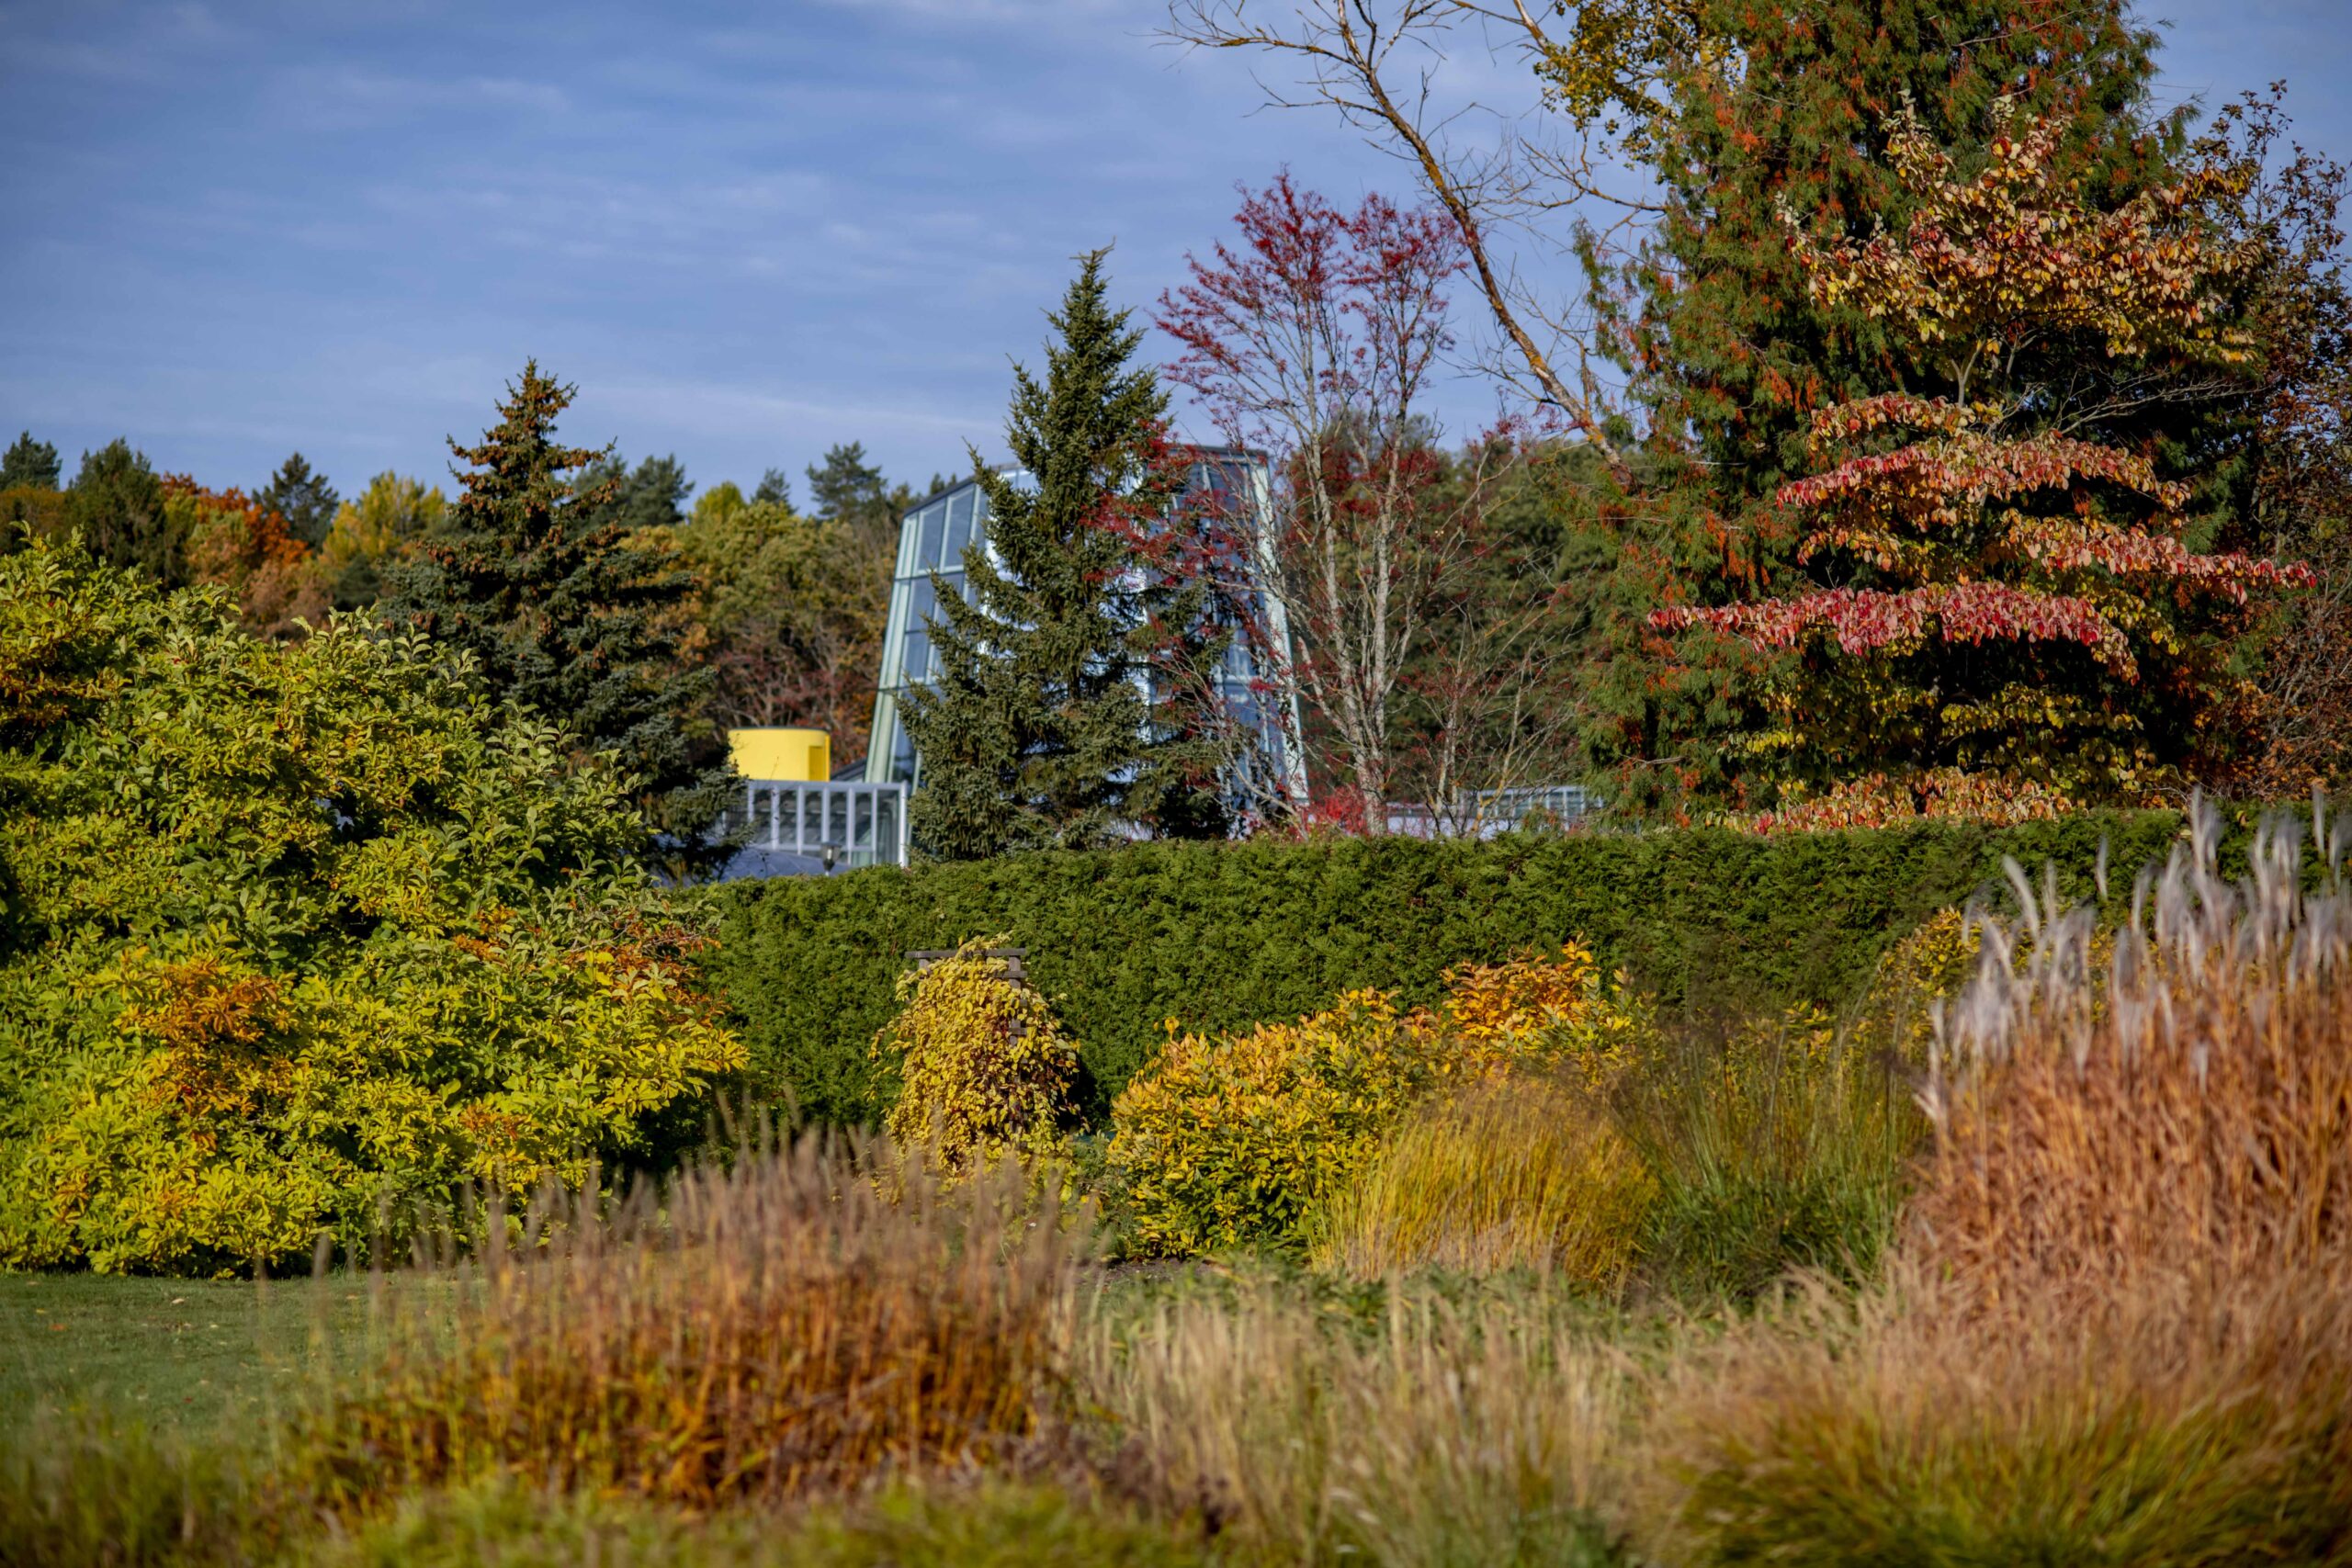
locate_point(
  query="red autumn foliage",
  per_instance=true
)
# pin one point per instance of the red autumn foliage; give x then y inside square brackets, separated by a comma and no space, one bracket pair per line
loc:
[1963,545]
[235,543]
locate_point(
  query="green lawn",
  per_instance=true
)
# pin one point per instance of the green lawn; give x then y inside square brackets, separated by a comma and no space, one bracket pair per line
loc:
[192,1356]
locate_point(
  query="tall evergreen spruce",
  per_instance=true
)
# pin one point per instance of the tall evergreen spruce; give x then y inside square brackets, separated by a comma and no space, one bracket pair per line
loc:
[1064,708]
[562,609]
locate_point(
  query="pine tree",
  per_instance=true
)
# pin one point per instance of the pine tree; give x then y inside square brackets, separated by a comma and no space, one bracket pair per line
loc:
[849,489]
[562,612]
[304,499]
[1065,711]
[29,463]
[651,495]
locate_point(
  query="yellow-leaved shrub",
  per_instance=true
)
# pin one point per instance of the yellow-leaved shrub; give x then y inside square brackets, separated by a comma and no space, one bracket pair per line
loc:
[1559,1010]
[1228,1142]
[984,1068]
[301,938]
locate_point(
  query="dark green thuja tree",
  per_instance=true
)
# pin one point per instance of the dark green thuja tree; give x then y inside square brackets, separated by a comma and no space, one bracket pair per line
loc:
[563,609]
[1069,705]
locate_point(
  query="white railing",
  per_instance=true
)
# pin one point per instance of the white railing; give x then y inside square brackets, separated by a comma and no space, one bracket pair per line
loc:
[862,824]
[1484,814]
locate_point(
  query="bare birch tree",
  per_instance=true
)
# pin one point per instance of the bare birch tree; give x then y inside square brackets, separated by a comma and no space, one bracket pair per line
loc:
[1314,338]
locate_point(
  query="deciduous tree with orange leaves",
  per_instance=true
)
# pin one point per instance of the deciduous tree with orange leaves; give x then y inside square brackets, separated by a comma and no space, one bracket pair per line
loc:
[2004,615]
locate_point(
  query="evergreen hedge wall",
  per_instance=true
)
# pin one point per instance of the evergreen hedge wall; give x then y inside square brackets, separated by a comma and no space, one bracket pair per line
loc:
[1220,936]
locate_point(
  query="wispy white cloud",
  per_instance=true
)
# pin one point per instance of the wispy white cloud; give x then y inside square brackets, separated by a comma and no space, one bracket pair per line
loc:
[988,13]
[342,96]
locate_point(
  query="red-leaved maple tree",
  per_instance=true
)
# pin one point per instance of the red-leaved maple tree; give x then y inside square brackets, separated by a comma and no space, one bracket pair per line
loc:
[1314,338]
[2006,615]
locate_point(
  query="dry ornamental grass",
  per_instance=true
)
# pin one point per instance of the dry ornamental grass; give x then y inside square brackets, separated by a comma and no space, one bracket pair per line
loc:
[762,1331]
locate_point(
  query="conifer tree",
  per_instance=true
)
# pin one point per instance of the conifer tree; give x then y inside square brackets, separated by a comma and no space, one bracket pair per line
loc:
[116,503]
[651,495]
[29,502]
[29,462]
[303,498]
[561,610]
[775,489]
[848,488]
[1066,708]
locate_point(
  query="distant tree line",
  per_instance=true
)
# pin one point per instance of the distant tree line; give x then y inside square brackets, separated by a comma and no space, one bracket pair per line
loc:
[606,596]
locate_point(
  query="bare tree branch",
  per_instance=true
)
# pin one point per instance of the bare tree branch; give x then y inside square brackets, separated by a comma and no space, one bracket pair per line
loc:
[1373,61]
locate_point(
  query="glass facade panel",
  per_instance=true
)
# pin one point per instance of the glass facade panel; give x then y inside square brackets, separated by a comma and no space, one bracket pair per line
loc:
[959,528]
[935,524]
[916,665]
[935,536]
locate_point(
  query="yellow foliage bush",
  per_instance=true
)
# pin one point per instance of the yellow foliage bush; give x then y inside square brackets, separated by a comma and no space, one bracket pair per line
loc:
[1559,1008]
[1231,1142]
[985,1068]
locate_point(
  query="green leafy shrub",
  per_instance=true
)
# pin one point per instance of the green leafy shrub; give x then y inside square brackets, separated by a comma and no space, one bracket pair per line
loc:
[300,936]
[985,1070]
[1226,1143]
[1228,936]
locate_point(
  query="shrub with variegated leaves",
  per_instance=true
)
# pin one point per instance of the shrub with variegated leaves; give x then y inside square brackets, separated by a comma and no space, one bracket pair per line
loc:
[303,937]
[2009,604]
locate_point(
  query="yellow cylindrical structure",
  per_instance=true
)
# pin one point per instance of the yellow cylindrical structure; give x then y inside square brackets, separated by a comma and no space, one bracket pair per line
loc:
[804,756]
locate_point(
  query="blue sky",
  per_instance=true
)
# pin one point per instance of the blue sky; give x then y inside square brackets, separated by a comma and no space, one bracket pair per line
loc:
[748,232]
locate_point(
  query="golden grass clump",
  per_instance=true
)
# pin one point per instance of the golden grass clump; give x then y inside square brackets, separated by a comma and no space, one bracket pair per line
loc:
[1445,1434]
[1517,1171]
[2117,1327]
[756,1331]
[1906,1425]
[2180,1113]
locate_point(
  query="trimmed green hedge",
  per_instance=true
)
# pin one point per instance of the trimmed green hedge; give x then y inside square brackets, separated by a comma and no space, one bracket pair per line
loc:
[1220,936]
